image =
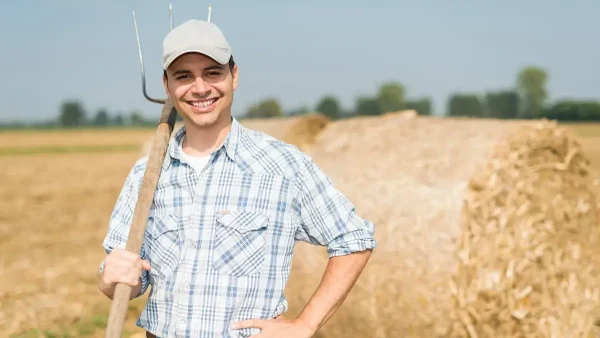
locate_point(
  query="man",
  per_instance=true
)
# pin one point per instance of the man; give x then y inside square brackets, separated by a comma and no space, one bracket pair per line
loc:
[228,208]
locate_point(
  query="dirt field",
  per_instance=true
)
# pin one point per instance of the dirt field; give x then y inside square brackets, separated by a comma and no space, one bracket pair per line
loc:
[53,219]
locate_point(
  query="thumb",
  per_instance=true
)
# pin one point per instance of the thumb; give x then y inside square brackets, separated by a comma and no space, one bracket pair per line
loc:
[146,264]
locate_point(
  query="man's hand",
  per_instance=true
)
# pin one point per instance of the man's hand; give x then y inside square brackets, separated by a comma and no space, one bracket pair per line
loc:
[122,266]
[277,328]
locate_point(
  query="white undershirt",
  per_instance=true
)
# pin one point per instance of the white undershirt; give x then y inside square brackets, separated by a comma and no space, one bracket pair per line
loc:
[196,162]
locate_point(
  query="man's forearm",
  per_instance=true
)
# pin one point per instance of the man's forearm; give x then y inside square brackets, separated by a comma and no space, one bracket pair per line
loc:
[339,278]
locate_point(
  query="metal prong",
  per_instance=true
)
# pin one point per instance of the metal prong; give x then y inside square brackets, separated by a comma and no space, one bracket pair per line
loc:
[137,35]
[171,14]
[209,12]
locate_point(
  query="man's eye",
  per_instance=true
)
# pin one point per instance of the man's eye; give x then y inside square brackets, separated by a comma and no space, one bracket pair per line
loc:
[214,73]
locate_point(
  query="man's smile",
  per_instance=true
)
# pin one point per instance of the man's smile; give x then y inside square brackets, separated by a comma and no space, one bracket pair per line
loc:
[203,105]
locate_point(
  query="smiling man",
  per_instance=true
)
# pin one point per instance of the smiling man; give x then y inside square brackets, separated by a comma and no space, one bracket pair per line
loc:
[229,206]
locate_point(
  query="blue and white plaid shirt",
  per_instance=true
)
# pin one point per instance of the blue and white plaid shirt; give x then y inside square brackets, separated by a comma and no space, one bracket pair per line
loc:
[220,241]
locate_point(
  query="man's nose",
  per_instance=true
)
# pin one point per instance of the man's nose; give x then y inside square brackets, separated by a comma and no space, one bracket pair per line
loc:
[200,87]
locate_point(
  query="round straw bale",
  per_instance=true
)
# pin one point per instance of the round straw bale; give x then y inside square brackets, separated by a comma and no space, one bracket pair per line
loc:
[530,240]
[450,213]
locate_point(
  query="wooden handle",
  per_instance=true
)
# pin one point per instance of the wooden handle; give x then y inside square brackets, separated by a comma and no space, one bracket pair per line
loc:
[156,158]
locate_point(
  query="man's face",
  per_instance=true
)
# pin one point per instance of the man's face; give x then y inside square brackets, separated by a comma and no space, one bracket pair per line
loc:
[201,89]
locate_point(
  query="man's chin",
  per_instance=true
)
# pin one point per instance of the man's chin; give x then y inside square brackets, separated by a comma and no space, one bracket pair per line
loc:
[203,120]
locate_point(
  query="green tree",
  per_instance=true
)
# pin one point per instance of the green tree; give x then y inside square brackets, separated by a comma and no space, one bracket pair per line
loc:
[72,113]
[502,104]
[422,106]
[298,111]
[253,111]
[266,108]
[101,118]
[465,105]
[531,84]
[368,106]
[119,121]
[329,106]
[391,97]
[136,118]
[570,110]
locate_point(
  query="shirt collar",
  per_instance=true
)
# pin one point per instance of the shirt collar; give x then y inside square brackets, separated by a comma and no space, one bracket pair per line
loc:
[230,144]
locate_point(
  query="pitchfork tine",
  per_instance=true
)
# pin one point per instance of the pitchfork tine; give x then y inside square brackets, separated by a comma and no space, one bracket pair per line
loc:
[171,14]
[137,35]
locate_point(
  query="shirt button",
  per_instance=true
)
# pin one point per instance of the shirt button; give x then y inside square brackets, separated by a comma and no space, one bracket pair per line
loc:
[187,283]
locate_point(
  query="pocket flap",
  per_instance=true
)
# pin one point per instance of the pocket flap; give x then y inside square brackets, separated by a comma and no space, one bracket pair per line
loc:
[162,223]
[243,221]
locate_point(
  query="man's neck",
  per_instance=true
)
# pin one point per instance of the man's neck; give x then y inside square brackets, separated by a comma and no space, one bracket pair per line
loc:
[203,141]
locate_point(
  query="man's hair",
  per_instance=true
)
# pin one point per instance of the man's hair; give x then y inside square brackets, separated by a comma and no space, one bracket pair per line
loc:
[231,65]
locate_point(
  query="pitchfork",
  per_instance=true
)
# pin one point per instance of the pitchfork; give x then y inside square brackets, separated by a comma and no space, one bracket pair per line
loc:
[156,157]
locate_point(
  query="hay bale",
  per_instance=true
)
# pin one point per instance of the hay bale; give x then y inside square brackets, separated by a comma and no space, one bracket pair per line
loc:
[297,130]
[530,235]
[455,208]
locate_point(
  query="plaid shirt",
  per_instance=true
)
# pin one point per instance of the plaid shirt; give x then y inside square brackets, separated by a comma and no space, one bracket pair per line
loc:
[220,241]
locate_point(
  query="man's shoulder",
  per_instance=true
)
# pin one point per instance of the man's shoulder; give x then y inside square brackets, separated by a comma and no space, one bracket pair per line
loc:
[136,173]
[264,153]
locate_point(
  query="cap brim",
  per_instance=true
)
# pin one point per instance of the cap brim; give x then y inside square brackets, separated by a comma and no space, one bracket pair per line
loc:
[220,56]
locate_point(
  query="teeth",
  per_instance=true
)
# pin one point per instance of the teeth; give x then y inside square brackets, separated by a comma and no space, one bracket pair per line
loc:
[203,104]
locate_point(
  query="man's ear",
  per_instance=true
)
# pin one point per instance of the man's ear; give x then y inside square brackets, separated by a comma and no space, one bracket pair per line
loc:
[166,85]
[234,72]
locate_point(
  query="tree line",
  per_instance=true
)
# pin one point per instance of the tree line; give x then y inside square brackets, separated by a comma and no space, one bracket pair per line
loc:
[73,114]
[527,99]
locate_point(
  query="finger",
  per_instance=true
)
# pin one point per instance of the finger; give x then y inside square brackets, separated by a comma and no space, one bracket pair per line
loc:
[146,265]
[124,279]
[249,323]
[127,275]
[130,280]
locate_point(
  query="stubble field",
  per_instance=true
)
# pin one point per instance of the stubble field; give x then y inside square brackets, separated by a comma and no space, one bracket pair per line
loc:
[57,194]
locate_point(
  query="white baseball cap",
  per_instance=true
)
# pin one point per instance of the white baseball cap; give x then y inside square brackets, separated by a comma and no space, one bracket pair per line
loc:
[196,36]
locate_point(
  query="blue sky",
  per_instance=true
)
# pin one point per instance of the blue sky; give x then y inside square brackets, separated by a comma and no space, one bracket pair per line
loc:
[295,51]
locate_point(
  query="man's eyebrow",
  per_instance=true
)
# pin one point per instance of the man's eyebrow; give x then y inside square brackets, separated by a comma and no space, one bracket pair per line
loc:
[214,67]
[187,71]
[181,71]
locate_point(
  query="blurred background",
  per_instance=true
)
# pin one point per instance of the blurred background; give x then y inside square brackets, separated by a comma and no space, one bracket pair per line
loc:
[73,119]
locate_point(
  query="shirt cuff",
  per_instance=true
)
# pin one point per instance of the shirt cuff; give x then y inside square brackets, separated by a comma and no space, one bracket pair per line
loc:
[351,246]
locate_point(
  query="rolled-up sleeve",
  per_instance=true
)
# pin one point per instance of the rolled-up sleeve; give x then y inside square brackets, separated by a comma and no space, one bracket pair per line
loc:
[327,217]
[120,222]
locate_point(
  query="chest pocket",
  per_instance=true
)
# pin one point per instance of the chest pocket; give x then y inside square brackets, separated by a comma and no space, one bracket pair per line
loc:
[240,246]
[163,245]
